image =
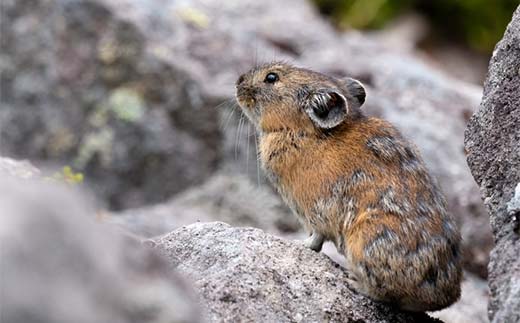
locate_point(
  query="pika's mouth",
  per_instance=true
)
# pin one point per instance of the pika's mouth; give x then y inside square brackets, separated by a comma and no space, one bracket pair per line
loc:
[246,102]
[245,97]
[248,105]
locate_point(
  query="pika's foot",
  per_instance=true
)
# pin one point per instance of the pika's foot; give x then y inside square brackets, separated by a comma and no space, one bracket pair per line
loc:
[352,283]
[315,241]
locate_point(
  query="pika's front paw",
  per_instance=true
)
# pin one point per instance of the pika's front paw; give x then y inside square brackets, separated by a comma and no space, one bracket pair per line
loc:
[315,241]
[352,282]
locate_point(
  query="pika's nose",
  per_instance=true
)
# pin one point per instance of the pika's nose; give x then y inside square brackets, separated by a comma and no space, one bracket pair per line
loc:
[240,80]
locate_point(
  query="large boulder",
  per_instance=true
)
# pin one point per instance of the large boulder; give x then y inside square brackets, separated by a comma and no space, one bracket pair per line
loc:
[246,275]
[82,85]
[59,266]
[127,92]
[493,152]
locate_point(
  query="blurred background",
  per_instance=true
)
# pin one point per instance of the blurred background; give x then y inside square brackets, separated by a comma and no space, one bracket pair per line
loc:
[477,25]
[134,100]
[458,35]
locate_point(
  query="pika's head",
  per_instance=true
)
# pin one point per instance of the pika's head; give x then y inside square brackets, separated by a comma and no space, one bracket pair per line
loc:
[279,96]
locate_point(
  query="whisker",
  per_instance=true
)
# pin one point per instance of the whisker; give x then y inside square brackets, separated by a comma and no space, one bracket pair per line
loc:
[256,52]
[226,103]
[247,145]
[237,135]
[257,159]
[227,119]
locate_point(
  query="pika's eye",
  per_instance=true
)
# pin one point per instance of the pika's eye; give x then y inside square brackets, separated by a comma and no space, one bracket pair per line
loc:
[271,78]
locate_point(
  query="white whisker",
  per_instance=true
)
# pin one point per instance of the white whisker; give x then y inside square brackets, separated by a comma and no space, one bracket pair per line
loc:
[226,103]
[247,145]
[257,159]
[237,134]
[229,116]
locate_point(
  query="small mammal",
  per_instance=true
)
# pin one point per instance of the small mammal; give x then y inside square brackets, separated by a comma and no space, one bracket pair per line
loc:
[354,180]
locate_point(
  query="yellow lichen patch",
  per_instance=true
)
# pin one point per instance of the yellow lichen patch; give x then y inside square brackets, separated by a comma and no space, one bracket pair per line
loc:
[67,175]
[194,16]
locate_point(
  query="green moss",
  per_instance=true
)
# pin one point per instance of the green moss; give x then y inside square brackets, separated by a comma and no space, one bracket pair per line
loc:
[194,17]
[479,24]
[362,14]
[67,175]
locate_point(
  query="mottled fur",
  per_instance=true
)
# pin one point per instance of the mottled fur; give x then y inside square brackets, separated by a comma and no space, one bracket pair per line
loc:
[359,184]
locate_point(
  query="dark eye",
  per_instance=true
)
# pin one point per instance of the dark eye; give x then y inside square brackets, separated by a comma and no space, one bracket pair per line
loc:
[271,78]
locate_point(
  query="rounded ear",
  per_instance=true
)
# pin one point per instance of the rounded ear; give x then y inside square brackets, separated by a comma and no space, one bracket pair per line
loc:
[327,108]
[356,90]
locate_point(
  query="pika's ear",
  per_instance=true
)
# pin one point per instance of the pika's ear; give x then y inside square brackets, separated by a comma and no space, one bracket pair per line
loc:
[327,108]
[356,90]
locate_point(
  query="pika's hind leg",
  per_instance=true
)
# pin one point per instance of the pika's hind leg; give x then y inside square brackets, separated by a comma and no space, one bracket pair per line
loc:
[352,278]
[315,241]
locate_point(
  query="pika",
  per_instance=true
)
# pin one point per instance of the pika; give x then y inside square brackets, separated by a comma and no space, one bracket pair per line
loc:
[356,181]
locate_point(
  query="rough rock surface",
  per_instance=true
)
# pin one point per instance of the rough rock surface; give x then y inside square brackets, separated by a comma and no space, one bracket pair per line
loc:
[59,266]
[493,151]
[241,276]
[126,90]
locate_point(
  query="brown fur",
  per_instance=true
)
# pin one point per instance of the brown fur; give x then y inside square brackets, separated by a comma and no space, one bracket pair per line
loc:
[359,184]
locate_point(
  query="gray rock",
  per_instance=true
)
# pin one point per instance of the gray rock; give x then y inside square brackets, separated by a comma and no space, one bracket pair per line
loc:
[126,91]
[84,86]
[59,266]
[246,275]
[233,199]
[493,147]
[17,169]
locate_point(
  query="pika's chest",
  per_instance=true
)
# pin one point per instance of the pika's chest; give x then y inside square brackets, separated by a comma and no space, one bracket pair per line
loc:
[298,168]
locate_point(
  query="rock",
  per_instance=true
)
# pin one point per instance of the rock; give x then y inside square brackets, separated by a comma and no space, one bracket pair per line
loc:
[84,86]
[59,266]
[241,275]
[223,197]
[472,306]
[17,169]
[493,149]
[130,99]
